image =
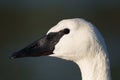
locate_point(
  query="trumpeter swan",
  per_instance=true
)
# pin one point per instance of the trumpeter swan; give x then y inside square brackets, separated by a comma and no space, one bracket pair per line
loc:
[76,40]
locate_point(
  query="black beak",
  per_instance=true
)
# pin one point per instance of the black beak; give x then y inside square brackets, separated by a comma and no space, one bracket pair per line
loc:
[41,47]
[38,48]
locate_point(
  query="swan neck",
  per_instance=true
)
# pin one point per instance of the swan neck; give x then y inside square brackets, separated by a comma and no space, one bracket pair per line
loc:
[95,68]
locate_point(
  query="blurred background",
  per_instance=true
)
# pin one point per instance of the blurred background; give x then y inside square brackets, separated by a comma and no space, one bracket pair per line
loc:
[24,21]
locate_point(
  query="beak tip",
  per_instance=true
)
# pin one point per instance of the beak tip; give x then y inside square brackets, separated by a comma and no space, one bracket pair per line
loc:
[13,56]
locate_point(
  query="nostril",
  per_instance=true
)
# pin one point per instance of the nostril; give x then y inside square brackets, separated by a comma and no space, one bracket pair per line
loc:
[34,46]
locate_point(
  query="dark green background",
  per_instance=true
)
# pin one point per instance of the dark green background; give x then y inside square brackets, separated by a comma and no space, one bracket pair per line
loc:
[24,21]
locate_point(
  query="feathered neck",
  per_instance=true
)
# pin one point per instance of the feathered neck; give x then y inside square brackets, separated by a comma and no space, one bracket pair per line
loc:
[95,68]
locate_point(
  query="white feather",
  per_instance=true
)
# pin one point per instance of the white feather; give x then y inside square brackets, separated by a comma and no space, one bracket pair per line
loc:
[85,46]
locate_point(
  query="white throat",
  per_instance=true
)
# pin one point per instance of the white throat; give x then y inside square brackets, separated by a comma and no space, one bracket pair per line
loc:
[95,68]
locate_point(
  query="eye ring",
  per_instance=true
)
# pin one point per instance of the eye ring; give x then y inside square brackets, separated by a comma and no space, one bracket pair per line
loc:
[66,31]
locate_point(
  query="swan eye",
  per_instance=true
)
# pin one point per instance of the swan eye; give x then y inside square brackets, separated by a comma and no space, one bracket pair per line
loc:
[66,31]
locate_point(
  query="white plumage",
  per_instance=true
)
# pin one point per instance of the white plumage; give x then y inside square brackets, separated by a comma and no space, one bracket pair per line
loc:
[85,46]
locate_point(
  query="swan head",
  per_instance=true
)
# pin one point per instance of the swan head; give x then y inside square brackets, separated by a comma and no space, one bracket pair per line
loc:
[70,39]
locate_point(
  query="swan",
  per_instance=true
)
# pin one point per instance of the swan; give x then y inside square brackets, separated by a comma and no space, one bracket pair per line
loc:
[76,40]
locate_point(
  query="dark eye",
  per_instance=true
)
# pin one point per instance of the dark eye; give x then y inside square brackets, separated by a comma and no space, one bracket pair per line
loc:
[66,31]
